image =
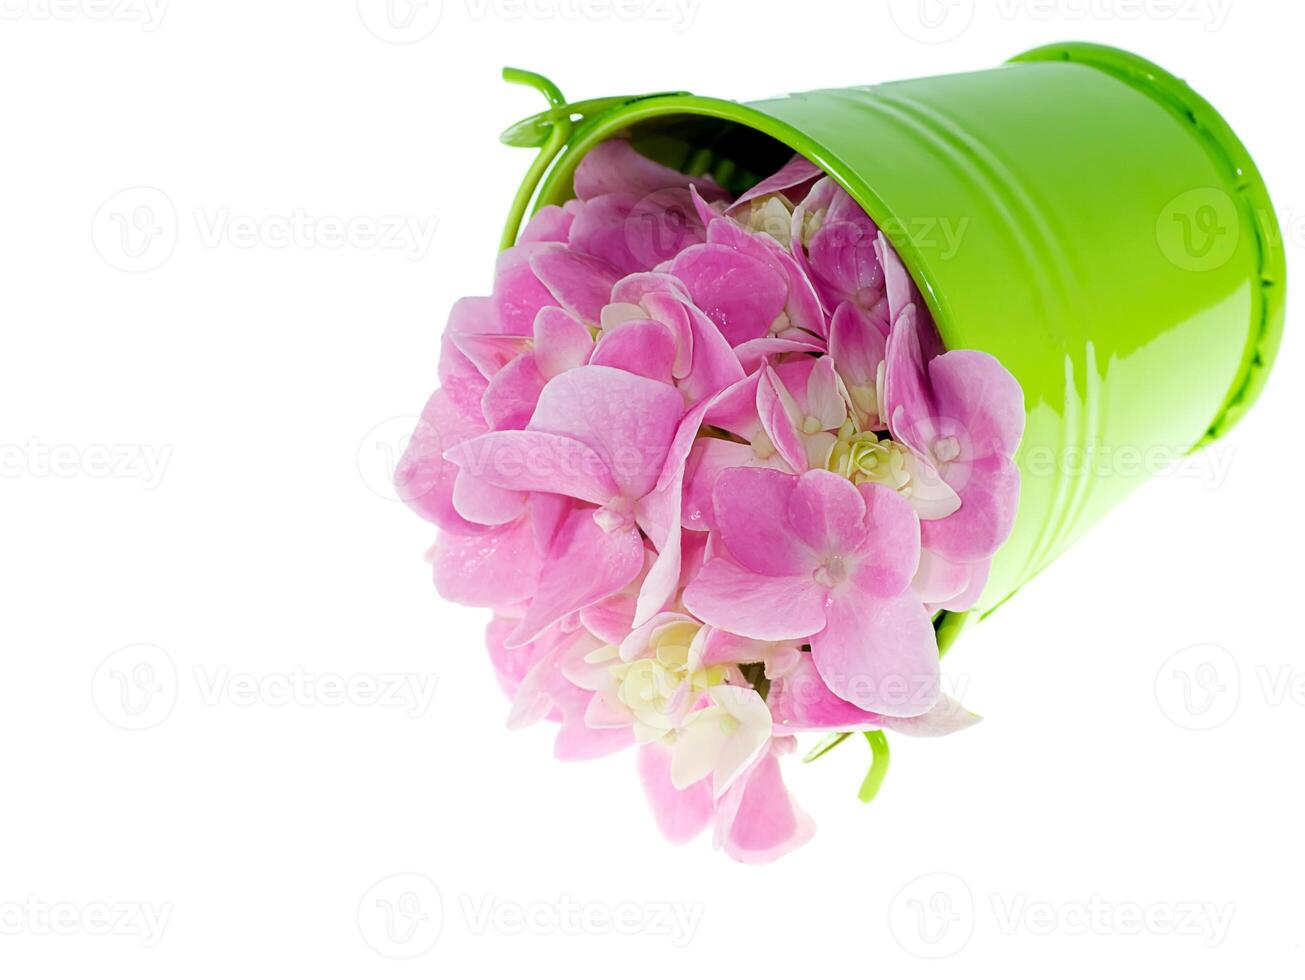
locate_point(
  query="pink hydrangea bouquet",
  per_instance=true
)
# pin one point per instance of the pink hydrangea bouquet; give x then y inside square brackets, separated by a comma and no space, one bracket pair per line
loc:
[709,465]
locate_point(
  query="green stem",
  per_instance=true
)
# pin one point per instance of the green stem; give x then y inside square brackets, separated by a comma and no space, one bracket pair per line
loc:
[878,766]
[828,743]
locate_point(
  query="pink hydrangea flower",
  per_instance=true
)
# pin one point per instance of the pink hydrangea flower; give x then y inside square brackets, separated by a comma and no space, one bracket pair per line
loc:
[633,213]
[815,556]
[712,469]
[599,438]
[749,285]
[756,822]
[835,240]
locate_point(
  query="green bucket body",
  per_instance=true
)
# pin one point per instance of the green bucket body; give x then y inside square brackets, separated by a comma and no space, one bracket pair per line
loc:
[1078,213]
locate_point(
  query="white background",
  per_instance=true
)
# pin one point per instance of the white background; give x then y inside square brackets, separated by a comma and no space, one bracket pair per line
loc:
[195,468]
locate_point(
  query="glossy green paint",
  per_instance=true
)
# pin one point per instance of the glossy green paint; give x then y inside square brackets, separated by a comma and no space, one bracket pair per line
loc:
[1078,213]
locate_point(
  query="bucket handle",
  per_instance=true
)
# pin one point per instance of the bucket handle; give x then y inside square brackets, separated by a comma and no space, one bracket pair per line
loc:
[549,131]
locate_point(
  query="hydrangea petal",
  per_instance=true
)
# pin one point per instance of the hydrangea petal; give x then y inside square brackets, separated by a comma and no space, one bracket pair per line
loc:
[741,295]
[475,315]
[758,821]
[499,567]
[778,411]
[600,230]
[424,479]
[946,717]
[802,702]
[735,408]
[643,347]
[802,302]
[710,458]
[763,607]
[973,590]
[462,382]
[628,421]
[797,172]
[546,689]
[974,388]
[722,739]
[537,461]
[753,353]
[612,619]
[662,510]
[586,564]
[890,553]
[615,166]
[489,352]
[990,499]
[858,345]
[681,814]
[634,234]
[518,293]
[827,513]
[898,286]
[510,399]
[511,665]
[881,656]
[714,365]
[824,400]
[578,741]
[931,497]
[751,505]
[483,503]
[562,342]
[636,288]
[937,579]
[581,283]
[549,224]
[842,253]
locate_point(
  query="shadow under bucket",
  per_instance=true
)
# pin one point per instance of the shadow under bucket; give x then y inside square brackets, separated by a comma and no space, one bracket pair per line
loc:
[1078,213]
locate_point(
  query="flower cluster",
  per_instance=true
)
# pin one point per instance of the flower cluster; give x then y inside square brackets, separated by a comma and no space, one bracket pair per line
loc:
[710,466]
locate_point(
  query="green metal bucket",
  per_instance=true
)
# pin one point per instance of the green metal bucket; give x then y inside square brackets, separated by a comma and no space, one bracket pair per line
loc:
[1078,212]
